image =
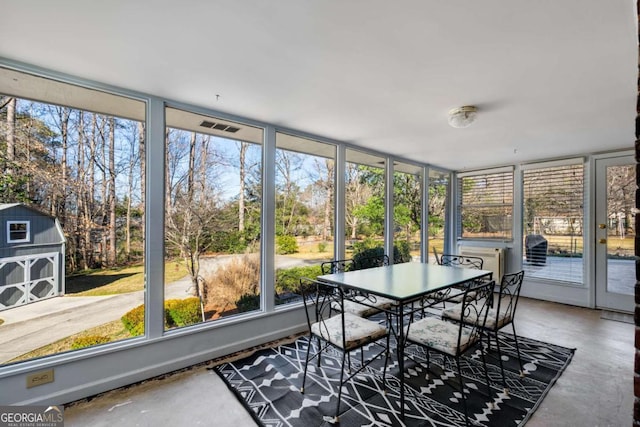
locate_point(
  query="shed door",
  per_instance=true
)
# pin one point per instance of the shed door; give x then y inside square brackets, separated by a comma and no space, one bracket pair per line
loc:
[28,278]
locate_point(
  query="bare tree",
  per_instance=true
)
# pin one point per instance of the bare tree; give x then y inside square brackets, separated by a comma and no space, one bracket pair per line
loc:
[11,135]
[242,148]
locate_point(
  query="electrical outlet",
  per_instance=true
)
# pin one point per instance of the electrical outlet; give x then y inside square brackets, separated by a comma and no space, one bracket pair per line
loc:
[39,378]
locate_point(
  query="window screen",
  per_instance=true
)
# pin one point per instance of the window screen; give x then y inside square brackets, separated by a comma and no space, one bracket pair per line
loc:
[486,205]
[553,219]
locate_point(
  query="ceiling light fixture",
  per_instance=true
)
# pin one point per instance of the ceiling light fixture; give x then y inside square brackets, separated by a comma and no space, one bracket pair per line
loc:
[463,116]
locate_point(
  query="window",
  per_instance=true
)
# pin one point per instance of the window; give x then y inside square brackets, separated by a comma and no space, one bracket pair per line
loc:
[78,154]
[364,202]
[407,212]
[486,204]
[304,211]
[553,220]
[18,231]
[437,209]
[213,210]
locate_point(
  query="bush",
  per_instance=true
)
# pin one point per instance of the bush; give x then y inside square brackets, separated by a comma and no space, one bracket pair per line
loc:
[133,321]
[322,246]
[286,245]
[288,279]
[182,312]
[225,286]
[400,254]
[248,302]
[88,341]
[232,241]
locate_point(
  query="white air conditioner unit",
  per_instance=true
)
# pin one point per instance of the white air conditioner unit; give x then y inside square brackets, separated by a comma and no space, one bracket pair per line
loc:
[492,258]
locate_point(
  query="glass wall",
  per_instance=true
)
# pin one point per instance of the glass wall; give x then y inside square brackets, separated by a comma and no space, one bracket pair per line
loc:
[364,202]
[407,212]
[213,208]
[72,203]
[304,211]
[437,210]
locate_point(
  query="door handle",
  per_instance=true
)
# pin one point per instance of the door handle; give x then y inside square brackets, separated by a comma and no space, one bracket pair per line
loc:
[603,241]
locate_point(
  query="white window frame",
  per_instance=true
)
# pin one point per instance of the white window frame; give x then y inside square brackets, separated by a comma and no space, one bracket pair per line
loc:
[28,230]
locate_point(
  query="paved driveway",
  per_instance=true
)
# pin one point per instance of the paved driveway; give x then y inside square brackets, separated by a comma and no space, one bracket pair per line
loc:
[34,325]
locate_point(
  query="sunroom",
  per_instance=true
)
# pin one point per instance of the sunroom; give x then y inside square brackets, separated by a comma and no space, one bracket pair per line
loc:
[200,159]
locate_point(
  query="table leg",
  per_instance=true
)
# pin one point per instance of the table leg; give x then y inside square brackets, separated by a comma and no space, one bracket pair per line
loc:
[400,351]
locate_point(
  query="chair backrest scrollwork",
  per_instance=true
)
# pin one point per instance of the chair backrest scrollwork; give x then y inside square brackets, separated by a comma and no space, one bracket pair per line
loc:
[461,261]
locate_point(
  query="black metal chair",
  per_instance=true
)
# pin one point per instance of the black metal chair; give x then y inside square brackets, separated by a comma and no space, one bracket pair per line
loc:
[337,266]
[500,314]
[450,260]
[371,261]
[344,331]
[455,338]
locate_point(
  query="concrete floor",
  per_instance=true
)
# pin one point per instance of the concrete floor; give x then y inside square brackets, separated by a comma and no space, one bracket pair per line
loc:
[596,390]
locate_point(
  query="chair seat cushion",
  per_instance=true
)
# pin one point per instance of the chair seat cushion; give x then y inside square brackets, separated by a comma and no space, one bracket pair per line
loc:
[493,321]
[440,335]
[358,331]
[372,306]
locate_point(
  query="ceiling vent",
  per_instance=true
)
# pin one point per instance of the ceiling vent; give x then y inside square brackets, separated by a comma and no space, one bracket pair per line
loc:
[219,126]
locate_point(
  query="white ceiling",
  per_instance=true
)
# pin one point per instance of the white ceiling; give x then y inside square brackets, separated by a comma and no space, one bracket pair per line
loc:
[551,78]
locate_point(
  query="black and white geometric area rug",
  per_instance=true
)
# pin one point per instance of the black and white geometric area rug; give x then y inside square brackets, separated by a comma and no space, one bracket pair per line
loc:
[268,384]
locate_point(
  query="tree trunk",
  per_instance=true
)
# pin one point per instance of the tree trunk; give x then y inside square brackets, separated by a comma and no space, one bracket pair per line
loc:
[61,209]
[636,377]
[112,193]
[142,152]
[11,136]
[328,203]
[104,189]
[132,163]
[241,190]
[81,177]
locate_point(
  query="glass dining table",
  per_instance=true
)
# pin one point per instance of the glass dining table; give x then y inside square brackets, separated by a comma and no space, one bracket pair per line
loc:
[404,283]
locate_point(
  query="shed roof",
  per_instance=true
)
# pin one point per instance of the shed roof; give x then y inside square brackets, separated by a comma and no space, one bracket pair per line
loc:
[4,206]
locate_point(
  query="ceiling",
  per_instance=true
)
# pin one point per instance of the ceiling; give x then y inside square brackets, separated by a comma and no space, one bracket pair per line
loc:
[550,78]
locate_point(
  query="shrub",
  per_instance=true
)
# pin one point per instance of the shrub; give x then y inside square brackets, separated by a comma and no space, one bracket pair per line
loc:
[88,341]
[248,302]
[322,246]
[133,321]
[182,312]
[400,254]
[286,245]
[288,279]
[232,280]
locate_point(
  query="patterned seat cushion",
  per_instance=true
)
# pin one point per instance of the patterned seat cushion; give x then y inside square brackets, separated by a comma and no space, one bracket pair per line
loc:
[440,335]
[493,322]
[358,331]
[374,306]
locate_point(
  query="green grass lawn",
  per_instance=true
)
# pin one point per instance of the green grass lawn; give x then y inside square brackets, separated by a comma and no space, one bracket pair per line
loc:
[115,330]
[118,280]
